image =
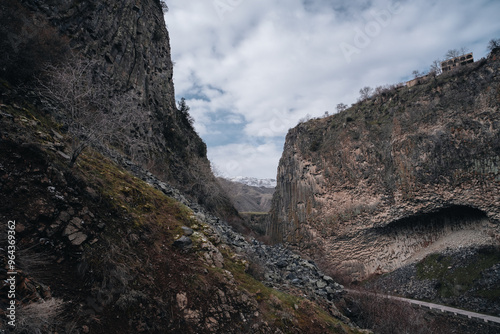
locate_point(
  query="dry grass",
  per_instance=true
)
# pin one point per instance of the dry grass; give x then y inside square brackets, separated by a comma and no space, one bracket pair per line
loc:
[135,197]
[40,316]
[388,316]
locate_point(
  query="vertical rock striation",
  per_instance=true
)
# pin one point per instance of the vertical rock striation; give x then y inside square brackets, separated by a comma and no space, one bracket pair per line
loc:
[129,43]
[376,185]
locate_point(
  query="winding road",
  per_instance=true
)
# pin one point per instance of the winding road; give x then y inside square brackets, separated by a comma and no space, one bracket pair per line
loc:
[432,306]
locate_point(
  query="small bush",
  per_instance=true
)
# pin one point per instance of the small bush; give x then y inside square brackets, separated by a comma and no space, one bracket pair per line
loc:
[388,316]
[40,316]
[256,270]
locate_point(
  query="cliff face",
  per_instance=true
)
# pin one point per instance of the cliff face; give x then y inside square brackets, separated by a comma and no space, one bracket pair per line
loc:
[375,186]
[129,45]
[102,249]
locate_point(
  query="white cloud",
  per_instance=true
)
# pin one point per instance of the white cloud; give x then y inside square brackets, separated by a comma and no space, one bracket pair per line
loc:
[247,159]
[251,69]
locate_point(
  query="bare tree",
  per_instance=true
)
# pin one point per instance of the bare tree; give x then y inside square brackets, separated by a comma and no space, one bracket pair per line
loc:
[416,74]
[464,50]
[456,53]
[378,90]
[341,107]
[89,110]
[494,44]
[452,53]
[216,170]
[435,68]
[365,93]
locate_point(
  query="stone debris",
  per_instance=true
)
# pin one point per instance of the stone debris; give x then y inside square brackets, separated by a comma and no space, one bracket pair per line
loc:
[183,243]
[282,268]
[187,231]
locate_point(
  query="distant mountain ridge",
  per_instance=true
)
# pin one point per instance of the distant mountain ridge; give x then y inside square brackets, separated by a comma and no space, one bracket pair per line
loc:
[254,182]
[248,198]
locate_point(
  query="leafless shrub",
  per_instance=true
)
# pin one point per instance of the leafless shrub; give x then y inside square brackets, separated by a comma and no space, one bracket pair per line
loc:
[39,316]
[305,119]
[435,68]
[494,44]
[417,73]
[341,107]
[365,93]
[204,186]
[92,113]
[387,316]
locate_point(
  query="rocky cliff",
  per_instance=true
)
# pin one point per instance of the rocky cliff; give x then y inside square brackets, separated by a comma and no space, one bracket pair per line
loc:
[99,250]
[395,176]
[128,44]
[105,245]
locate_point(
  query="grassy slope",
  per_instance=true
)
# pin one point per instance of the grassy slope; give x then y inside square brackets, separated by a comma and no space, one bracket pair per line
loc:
[130,269]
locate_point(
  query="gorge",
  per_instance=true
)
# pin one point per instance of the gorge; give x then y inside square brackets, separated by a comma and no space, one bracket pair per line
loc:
[145,240]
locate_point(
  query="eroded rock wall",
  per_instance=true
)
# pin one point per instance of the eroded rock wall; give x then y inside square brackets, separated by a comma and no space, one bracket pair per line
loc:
[128,44]
[402,154]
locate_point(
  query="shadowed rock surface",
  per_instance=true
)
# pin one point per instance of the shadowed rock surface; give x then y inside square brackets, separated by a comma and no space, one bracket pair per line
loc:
[369,188]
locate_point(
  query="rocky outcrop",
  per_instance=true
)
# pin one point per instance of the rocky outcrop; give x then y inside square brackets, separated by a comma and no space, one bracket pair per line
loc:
[128,44]
[371,187]
[101,251]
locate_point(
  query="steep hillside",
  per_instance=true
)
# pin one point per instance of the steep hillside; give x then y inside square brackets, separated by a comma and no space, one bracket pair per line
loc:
[396,175]
[106,244]
[99,249]
[127,45]
[248,198]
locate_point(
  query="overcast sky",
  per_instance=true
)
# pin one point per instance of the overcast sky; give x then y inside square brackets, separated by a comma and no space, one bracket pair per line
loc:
[251,69]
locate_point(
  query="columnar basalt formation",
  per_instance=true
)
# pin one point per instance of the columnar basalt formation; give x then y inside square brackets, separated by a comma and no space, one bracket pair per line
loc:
[128,44]
[408,170]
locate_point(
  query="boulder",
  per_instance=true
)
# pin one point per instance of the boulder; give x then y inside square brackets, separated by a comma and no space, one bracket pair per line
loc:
[187,231]
[183,243]
[77,238]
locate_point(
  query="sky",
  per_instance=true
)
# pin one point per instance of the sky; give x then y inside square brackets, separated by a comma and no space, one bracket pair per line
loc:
[252,69]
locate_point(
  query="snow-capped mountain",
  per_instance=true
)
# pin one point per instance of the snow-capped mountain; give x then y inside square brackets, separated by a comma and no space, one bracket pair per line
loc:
[254,182]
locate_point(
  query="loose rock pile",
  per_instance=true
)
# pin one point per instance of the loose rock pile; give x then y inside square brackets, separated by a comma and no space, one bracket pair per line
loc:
[477,295]
[282,269]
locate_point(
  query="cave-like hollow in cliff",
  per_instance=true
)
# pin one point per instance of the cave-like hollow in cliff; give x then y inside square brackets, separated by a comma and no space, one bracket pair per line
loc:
[454,215]
[410,239]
